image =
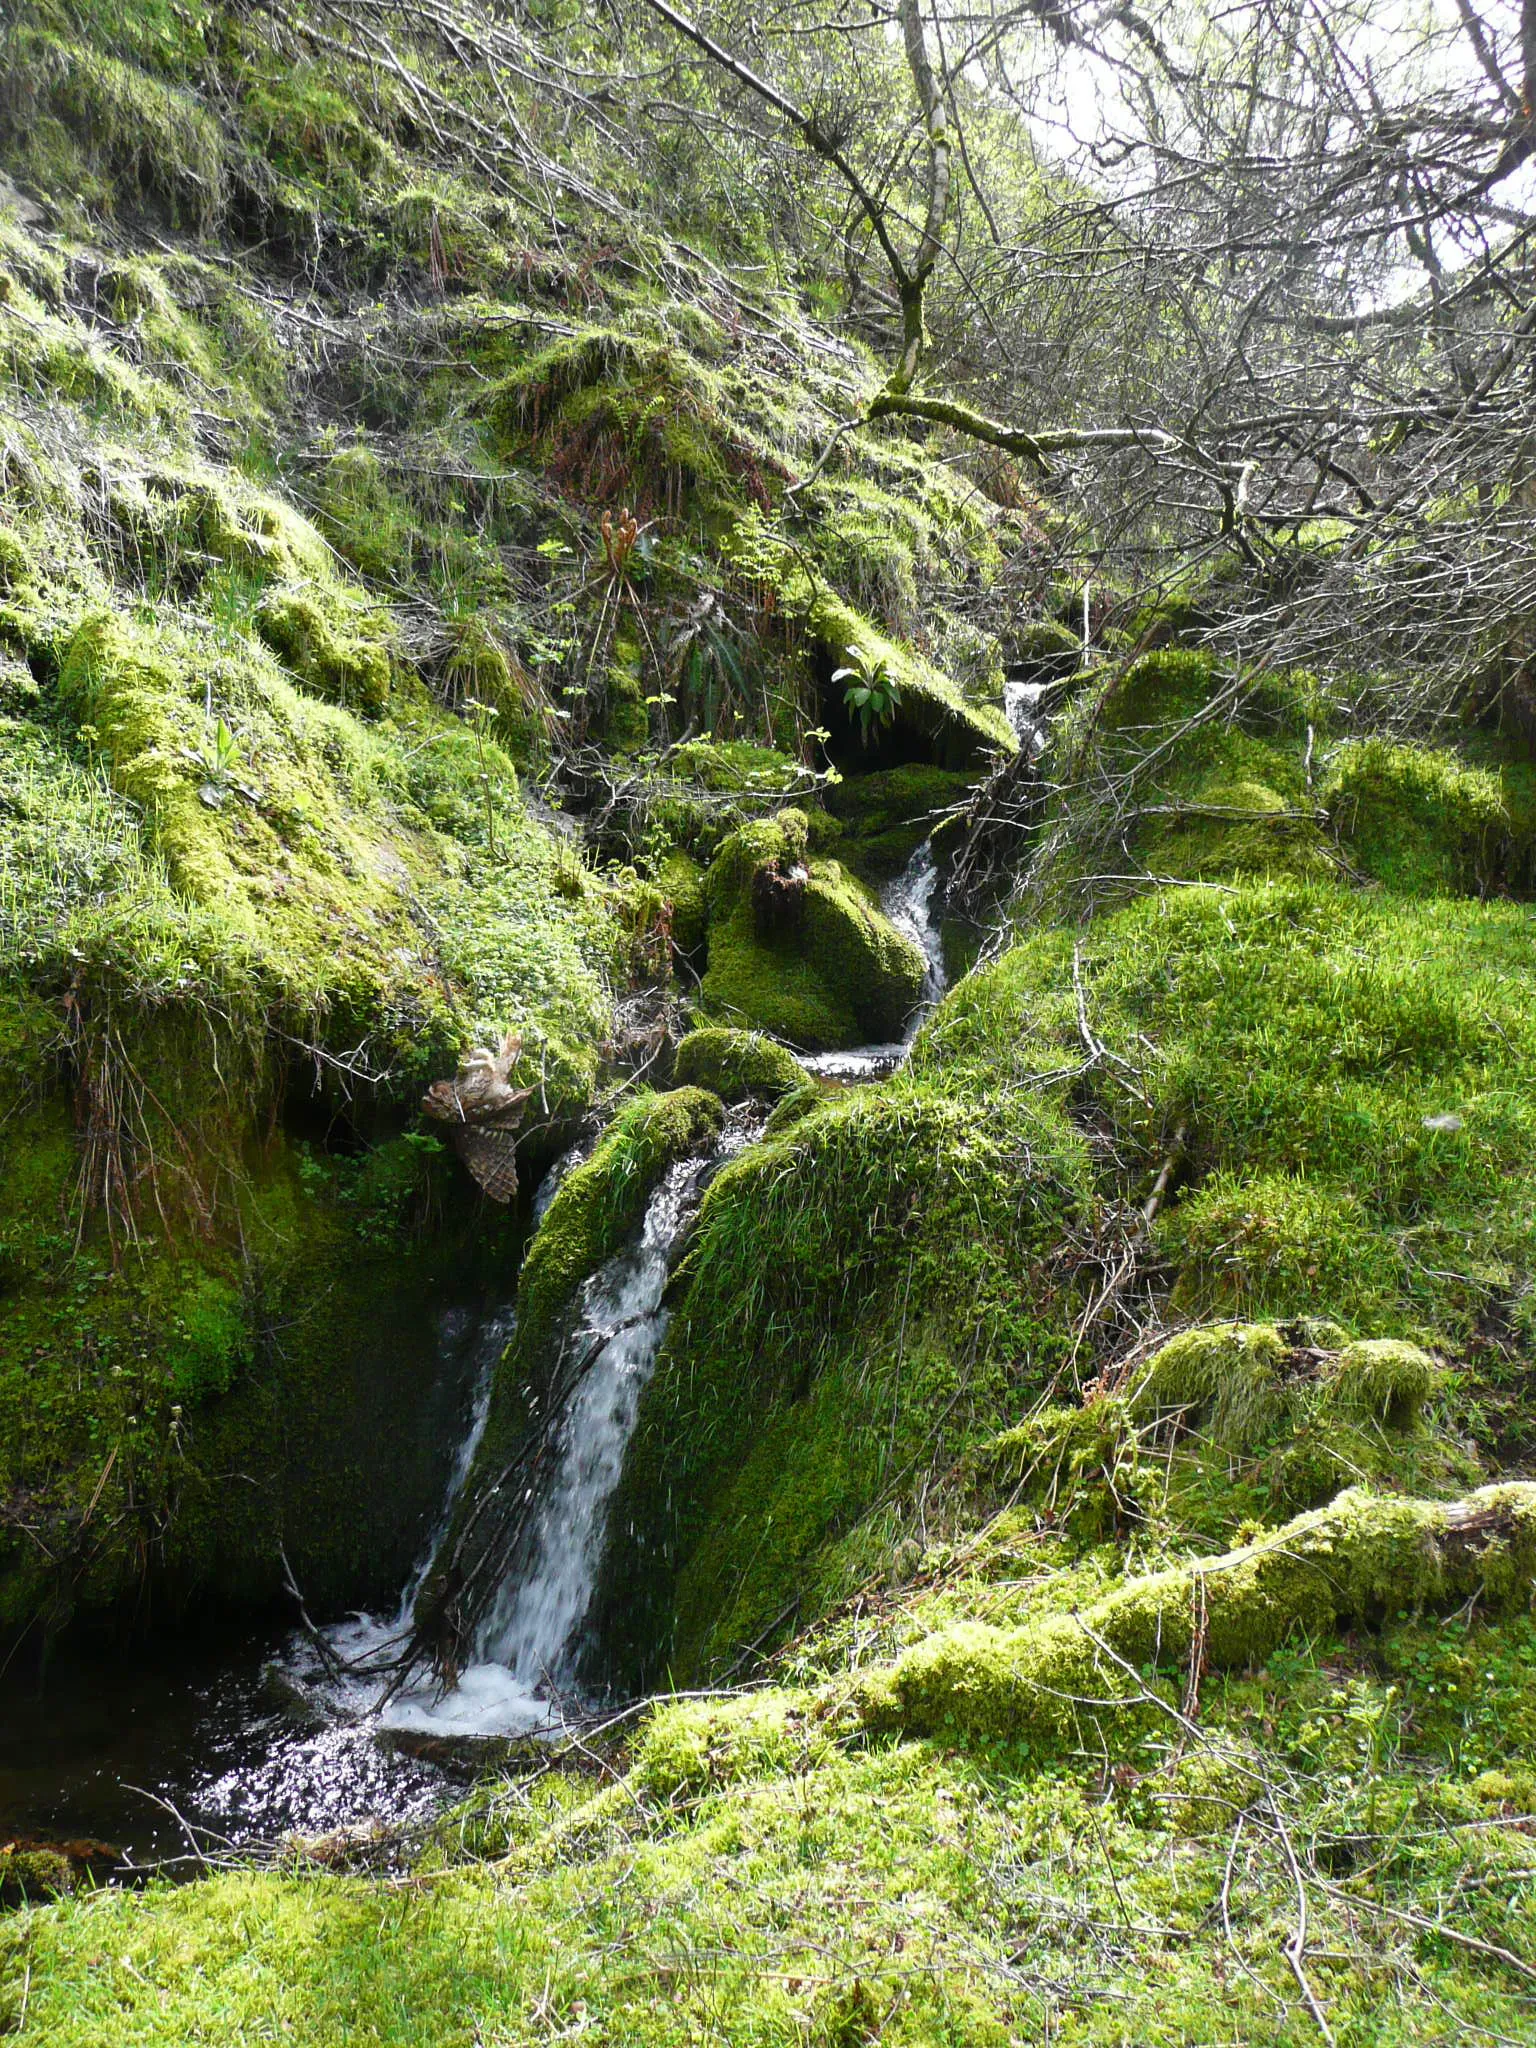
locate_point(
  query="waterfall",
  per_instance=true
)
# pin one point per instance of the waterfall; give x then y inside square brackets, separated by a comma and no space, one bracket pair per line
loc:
[908,901]
[1021,702]
[532,1625]
[527,1644]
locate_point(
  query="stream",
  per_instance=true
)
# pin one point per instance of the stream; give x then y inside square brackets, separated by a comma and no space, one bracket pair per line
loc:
[236,1741]
[231,1742]
[908,901]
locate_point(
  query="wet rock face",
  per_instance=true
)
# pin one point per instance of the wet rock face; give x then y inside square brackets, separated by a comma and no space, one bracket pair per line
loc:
[778,898]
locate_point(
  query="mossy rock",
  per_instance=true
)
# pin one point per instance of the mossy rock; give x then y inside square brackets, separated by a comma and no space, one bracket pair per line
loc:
[1240,1382]
[932,719]
[888,814]
[834,972]
[1354,1562]
[1162,688]
[33,1875]
[680,879]
[737,1066]
[1045,651]
[843,1281]
[1423,822]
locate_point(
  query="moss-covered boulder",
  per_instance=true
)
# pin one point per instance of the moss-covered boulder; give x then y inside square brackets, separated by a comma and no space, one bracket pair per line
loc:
[801,948]
[601,1201]
[1424,822]
[680,879]
[1359,1560]
[932,721]
[32,1873]
[737,1065]
[887,815]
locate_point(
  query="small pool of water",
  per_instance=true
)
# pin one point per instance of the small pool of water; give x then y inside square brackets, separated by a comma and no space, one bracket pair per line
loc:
[234,1738]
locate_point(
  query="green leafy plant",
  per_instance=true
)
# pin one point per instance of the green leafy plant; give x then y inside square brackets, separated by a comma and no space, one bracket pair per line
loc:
[480,715]
[706,657]
[870,691]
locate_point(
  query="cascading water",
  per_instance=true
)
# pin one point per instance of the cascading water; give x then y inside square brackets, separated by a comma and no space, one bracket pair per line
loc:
[532,1627]
[526,1645]
[1021,703]
[908,901]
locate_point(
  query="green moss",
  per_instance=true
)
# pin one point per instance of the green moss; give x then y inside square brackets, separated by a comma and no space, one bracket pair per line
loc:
[632,416]
[1159,689]
[737,766]
[1353,1562]
[1229,1382]
[312,131]
[1045,651]
[1316,1418]
[888,814]
[1423,822]
[87,124]
[1077,1466]
[351,669]
[34,1874]
[681,880]
[1353,1131]
[833,971]
[736,1065]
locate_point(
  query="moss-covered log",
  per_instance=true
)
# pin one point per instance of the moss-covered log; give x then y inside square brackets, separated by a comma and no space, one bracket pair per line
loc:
[1364,1559]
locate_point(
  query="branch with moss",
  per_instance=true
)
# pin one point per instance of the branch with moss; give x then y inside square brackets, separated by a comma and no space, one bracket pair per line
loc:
[1364,1557]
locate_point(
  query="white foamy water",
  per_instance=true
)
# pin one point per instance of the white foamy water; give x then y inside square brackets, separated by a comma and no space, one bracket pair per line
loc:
[908,901]
[1021,703]
[526,1646]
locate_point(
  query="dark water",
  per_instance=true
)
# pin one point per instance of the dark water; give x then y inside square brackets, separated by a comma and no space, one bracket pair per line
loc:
[231,1738]
[222,1728]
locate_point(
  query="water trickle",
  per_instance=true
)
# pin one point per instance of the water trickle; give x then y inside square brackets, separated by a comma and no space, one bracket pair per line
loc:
[1021,703]
[534,1619]
[908,901]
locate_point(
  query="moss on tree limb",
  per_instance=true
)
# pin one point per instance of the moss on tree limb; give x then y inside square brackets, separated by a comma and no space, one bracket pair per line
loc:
[1357,1561]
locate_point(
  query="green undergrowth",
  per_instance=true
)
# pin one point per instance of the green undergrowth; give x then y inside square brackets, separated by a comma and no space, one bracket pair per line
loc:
[1264,776]
[887,815]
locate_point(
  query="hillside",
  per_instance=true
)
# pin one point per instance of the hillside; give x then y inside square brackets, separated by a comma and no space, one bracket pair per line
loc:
[999,1469]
